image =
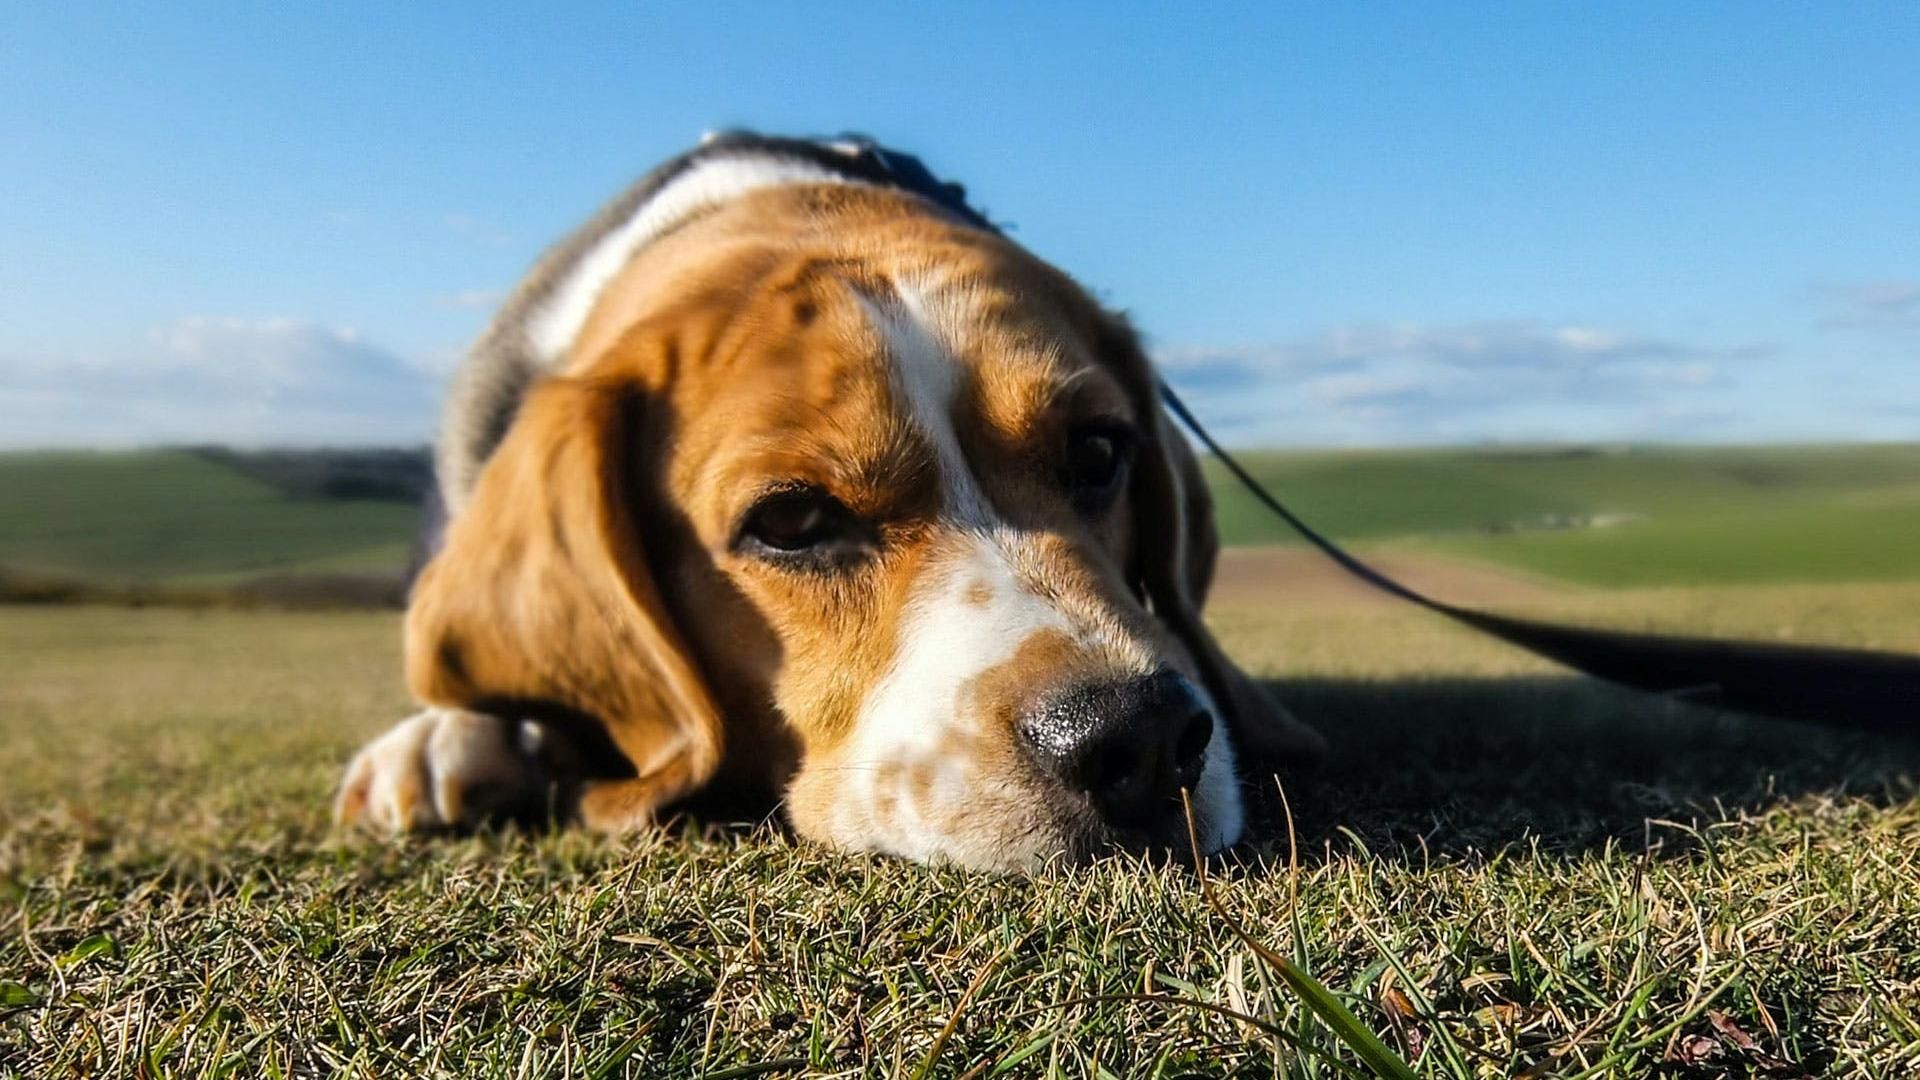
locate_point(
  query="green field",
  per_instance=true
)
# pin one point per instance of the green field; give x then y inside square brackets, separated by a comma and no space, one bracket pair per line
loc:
[1590,516]
[174,515]
[1638,516]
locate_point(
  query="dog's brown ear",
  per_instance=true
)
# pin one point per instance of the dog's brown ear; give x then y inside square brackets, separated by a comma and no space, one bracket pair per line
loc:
[1175,545]
[542,595]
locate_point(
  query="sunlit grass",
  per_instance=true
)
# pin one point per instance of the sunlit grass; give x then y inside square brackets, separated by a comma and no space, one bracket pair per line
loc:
[1501,869]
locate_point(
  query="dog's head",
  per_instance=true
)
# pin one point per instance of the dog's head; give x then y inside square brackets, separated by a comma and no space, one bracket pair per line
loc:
[877,509]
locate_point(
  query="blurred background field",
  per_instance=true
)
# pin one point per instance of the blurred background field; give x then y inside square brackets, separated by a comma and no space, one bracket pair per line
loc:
[1611,516]
[205,523]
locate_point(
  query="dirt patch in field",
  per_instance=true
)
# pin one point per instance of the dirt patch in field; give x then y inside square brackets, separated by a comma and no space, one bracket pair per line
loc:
[1300,578]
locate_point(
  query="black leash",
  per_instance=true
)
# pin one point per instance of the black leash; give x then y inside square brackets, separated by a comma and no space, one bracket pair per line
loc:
[1847,688]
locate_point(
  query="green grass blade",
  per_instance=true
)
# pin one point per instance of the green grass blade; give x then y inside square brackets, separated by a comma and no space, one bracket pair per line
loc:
[1345,1026]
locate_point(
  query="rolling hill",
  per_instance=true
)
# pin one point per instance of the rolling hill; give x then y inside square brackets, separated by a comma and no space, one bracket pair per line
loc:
[1611,517]
[184,516]
[1608,517]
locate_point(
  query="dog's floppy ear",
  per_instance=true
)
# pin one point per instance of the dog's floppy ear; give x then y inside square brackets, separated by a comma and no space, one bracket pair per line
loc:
[1175,544]
[542,595]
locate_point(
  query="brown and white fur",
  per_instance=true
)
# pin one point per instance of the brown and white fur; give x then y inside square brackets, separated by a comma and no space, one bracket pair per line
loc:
[606,619]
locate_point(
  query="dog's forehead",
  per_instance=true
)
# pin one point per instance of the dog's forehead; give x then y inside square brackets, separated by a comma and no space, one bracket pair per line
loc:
[888,373]
[780,289]
[980,351]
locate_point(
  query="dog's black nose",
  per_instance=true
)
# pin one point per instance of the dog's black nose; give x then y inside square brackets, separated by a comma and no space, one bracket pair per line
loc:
[1130,746]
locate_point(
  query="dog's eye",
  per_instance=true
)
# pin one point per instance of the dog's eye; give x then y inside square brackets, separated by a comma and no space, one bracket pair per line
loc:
[1097,459]
[802,523]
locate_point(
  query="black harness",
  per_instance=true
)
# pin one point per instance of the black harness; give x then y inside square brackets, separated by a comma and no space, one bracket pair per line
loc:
[1846,688]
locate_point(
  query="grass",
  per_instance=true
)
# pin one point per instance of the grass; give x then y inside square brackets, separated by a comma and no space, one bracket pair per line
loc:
[1501,871]
[1811,541]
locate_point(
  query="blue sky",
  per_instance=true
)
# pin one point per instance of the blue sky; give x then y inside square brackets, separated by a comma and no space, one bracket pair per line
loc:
[1340,225]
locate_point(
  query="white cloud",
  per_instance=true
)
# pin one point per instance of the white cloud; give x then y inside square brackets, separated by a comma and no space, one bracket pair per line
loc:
[1367,390]
[292,382]
[201,379]
[1513,379]
[1493,344]
[1872,305]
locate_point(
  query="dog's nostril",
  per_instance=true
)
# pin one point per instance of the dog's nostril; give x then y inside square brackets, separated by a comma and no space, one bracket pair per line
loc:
[1109,766]
[1129,745]
[1193,744]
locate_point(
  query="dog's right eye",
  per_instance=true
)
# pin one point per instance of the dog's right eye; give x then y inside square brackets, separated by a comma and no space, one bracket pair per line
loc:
[804,524]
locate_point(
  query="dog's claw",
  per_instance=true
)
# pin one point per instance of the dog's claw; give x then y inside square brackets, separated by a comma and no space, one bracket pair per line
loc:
[439,769]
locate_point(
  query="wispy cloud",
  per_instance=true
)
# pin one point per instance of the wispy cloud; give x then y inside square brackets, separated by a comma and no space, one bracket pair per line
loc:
[470,299]
[1514,379]
[257,381]
[1891,304]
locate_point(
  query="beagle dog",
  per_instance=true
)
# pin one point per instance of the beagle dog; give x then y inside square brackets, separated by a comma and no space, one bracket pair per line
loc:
[787,473]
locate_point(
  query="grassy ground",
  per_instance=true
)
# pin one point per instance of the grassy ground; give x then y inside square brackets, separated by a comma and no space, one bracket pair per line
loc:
[1501,869]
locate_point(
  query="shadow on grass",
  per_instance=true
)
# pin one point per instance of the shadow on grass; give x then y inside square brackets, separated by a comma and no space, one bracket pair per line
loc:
[1462,768]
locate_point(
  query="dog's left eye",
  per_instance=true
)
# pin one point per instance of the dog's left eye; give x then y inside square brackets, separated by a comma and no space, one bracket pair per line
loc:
[803,524]
[1098,456]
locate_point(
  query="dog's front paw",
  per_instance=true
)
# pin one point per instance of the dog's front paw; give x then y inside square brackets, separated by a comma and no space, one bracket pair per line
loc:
[439,769]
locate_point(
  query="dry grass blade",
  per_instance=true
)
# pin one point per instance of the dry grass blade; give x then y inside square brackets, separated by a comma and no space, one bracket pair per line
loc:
[959,1010]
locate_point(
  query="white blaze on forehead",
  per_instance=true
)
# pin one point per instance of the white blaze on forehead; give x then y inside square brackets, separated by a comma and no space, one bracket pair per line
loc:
[553,328]
[917,323]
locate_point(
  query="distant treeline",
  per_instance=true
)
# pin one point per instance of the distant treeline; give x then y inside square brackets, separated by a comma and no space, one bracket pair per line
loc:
[386,475]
